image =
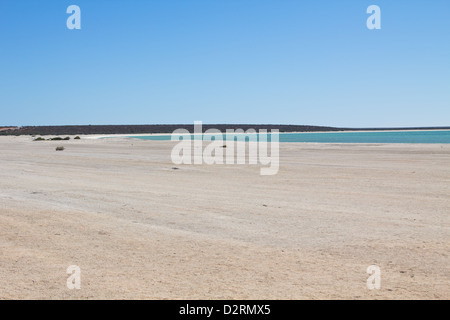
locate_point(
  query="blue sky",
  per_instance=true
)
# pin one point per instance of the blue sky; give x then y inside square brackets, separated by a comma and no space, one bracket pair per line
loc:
[225,61]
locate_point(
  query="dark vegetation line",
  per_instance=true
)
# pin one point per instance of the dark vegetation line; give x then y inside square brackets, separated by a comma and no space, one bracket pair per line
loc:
[162,128]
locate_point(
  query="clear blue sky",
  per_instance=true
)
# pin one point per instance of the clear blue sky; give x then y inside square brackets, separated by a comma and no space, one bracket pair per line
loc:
[225,61]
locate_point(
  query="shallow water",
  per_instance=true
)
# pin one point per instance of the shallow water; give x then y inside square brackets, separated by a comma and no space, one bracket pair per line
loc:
[432,136]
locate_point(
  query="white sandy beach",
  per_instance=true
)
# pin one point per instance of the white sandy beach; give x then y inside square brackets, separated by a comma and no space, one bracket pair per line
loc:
[139,229]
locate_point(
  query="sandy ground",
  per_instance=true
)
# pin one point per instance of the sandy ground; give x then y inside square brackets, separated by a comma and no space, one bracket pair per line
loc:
[139,229]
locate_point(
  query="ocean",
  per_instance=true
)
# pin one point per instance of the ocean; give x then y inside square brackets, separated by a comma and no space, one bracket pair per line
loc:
[429,136]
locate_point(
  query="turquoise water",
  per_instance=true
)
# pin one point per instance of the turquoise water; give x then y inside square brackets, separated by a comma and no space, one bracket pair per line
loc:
[433,136]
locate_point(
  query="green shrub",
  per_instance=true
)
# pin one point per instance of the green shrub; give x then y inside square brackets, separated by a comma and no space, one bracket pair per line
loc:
[77,138]
[60,148]
[66,138]
[39,139]
[56,139]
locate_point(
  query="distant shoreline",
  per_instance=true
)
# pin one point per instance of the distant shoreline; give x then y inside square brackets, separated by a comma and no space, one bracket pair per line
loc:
[132,130]
[306,132]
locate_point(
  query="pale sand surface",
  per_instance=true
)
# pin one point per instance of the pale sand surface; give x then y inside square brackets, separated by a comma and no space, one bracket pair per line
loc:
[140,230]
